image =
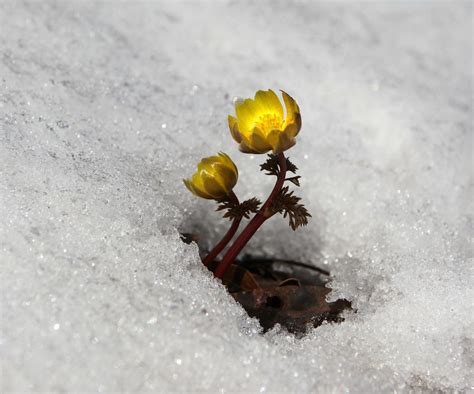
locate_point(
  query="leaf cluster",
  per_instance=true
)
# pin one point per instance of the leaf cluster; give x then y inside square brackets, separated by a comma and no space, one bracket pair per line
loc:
[236,210]
[289,205]
[272,168]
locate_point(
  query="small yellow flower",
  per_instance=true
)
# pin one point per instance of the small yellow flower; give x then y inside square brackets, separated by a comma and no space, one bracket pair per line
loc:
[214,178]
[260,125]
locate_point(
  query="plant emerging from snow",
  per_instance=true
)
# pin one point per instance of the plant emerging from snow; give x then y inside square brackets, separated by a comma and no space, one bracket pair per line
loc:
[260,127]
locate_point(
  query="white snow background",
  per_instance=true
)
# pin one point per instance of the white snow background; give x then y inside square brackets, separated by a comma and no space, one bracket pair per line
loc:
[105,107]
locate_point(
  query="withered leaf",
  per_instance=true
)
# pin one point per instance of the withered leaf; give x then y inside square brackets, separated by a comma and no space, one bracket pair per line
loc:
[294,307]
[187,238]
[238,278]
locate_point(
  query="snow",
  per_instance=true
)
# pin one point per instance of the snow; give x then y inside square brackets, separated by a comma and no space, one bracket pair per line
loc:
[105,107]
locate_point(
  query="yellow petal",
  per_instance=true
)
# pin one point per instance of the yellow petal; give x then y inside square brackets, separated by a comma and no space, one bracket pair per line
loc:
[234,129]
[298,122]
[268,102]
[246,140]
[197,192]
[206,164]
[212,186]
[198,186]
[227,161]
[189,185]
[285,142]
[291,130]
[258,141]
[213,167]
[273,138]
[226,176]
[247,113]
[280,141]
[244,148]
[292,110]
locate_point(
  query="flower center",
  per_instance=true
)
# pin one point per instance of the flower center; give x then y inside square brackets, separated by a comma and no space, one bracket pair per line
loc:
[269,122]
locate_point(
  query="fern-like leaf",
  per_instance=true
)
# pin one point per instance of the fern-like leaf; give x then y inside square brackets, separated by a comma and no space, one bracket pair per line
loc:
[235,210]
[289,206]
[272,168]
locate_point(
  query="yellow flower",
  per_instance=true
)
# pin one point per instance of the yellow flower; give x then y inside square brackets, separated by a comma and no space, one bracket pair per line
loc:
[260,125]
[214,178]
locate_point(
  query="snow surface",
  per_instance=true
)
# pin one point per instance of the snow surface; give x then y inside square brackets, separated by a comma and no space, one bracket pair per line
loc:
[105,107]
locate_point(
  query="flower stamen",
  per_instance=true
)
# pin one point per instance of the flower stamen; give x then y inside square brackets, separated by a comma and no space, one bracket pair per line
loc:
[268,122]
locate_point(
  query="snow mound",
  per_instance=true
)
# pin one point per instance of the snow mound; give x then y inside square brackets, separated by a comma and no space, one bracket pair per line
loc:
[105,107]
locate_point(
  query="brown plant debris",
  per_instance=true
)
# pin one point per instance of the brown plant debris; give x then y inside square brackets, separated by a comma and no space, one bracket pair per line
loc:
[292,306]
[295,299]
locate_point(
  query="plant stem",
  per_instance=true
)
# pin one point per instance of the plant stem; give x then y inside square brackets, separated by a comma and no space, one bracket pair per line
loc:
[263,214]
[227,237]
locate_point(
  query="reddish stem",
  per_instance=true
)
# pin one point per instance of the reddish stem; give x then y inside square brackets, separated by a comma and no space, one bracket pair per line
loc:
[227,237]
[263,214]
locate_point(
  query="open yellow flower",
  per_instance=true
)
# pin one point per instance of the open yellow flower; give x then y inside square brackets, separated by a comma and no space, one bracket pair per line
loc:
[215,177]
[261,126]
